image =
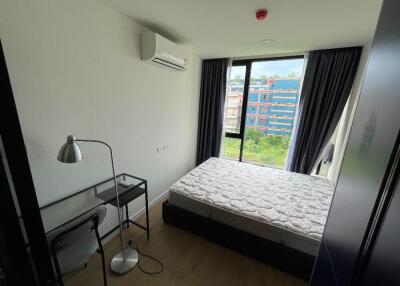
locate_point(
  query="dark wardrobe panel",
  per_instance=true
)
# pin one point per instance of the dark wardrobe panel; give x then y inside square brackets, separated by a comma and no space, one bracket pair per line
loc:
[325,274]
[384,266]
[371,142]
[18,201]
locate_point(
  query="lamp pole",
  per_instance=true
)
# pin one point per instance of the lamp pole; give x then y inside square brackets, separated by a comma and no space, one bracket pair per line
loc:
[121,230]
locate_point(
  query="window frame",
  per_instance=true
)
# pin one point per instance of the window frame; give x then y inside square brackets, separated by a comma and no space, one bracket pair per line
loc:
[248,64]
[240,135]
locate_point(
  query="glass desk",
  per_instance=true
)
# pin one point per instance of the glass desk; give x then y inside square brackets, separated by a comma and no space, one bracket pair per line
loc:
[67,209]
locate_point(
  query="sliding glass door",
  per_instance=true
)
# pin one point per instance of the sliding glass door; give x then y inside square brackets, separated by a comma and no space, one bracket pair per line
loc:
[261,108]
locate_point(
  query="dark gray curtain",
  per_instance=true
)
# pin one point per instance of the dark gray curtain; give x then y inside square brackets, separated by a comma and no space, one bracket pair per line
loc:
[211,110]
[327,84]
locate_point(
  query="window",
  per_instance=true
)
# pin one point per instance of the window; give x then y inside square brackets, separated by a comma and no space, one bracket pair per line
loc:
[232,148]
[252,110]
[262,122]
[259,127]
[250,121]
[235,99]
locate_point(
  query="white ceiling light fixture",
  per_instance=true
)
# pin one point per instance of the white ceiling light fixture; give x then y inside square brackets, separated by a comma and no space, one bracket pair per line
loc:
[267,41]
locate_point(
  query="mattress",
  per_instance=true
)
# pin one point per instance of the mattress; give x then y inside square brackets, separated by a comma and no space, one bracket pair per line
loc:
[281,206]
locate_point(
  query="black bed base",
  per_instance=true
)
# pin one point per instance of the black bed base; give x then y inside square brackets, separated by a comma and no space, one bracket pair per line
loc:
[275,254]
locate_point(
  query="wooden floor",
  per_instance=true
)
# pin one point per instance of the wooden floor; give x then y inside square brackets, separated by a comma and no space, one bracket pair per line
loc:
[188,259]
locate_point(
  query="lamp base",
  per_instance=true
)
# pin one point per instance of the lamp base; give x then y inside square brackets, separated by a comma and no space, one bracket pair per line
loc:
[121,266]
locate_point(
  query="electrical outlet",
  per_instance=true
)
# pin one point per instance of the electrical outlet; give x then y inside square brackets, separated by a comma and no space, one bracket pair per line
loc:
[162,148]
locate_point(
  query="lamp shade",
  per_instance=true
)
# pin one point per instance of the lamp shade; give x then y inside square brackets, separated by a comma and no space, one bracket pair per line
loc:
[70,151]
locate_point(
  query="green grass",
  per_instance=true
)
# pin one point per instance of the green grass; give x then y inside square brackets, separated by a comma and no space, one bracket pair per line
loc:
[259,148]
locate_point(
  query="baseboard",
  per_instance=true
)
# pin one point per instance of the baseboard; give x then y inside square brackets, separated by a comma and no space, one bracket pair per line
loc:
[152,203]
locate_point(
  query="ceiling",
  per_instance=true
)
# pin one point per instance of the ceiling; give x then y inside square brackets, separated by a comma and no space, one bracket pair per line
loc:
[228,28]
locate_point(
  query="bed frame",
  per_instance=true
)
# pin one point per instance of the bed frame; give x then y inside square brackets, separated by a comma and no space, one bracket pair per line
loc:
[275,254]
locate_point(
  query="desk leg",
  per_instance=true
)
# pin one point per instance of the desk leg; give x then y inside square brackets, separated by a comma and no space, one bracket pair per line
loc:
[127,215]
[147,213]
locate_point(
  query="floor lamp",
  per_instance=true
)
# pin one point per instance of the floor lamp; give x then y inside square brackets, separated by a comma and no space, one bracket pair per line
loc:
[70,152]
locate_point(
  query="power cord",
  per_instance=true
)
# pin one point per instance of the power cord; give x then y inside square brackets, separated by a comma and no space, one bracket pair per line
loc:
[130,242]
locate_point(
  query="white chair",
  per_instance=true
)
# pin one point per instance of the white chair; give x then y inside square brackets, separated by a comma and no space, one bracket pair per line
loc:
[72,244]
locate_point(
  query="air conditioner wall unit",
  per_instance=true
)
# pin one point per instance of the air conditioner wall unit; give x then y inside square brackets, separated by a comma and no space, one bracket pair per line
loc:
[160,51]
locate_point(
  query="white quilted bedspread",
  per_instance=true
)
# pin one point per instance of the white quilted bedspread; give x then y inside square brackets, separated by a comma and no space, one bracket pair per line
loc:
[296,202]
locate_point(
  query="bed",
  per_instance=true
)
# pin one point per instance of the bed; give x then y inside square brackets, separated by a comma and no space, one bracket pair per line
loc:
[282,212]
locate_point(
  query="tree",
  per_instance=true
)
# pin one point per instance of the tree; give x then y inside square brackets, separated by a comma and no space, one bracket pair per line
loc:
[238,77]
[275,76]
[253,135]
[264,78]
[294,74]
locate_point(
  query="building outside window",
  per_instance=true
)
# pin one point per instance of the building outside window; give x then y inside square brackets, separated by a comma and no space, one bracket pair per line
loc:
[272,99]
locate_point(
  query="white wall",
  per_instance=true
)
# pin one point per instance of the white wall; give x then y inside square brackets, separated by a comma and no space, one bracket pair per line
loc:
[75,69]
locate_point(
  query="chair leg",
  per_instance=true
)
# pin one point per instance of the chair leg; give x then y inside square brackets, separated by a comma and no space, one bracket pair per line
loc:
[104,268]
[147,215]
[101,250]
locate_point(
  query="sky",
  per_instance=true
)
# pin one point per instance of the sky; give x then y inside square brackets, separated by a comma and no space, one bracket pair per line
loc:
[270,68]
